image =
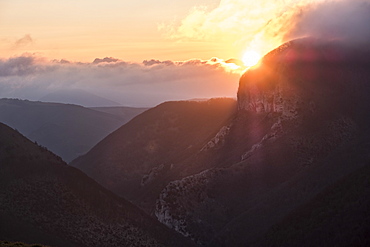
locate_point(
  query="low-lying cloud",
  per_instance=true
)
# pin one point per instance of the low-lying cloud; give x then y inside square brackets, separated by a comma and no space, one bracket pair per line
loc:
[135,84]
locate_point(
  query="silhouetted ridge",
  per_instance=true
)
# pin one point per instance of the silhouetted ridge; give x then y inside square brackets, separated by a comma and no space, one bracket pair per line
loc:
[65,129]
[44,200]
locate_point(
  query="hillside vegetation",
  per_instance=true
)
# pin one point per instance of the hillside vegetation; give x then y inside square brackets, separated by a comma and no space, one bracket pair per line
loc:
[44,200]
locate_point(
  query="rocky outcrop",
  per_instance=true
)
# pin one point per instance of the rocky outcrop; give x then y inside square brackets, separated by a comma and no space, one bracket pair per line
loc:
[279,83]
[177,204]
[219,139]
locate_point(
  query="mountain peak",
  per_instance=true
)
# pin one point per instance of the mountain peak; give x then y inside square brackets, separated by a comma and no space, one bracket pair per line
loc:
[299,73]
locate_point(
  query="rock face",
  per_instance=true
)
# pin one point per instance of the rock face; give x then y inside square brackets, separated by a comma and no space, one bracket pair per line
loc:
[261,88]
[286,78]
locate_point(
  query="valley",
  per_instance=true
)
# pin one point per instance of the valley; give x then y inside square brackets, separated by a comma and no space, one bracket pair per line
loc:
[286,164]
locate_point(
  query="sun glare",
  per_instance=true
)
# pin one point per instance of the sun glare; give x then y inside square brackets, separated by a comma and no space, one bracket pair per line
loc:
[251,58]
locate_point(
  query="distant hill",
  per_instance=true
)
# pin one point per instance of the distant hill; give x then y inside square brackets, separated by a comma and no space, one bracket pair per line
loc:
[258,175]
[78,97]
[124,113]
[67,130]
[43,200]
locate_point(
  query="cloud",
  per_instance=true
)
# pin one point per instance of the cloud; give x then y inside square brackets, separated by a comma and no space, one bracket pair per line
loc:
[154,62]
[105,60]
[23,66]
[263,25]
[347,20]
[24,41]
[136,84]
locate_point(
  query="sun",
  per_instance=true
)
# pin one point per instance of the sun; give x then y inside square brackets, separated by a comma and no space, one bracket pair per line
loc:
[251,58]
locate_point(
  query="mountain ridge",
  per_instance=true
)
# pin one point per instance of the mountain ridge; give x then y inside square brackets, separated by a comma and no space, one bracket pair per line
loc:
[65,204]
[67,130]
[176,128]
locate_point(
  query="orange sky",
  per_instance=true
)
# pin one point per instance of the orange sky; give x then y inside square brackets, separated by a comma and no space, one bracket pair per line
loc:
[85,29]
[137,30]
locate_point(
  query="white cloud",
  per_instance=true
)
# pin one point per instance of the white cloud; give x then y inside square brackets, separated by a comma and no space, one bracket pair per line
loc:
[136,84]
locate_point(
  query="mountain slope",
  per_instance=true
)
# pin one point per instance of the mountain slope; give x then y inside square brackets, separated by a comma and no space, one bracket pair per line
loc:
[42,195]
[67,130]
[78,97]
[339,214]
[123,112]
[136,160]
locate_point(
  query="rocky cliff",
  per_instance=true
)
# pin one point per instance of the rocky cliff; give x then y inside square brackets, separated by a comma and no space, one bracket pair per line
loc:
[301,126]
[298,74]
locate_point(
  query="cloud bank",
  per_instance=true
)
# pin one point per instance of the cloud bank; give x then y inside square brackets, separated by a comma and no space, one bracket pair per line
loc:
[263,25]
[133,84]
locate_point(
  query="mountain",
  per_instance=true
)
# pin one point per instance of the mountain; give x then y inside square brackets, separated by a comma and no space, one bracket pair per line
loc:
[261,174]
[46,201]
[78,97]
[142,155]
[65,129]
[301,126]
[343,209]
[123,112]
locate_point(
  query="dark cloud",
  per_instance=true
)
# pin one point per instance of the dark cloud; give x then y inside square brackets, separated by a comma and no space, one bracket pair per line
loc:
[106,60]
[155,62]
[24,41]
[22,66]
[346,20]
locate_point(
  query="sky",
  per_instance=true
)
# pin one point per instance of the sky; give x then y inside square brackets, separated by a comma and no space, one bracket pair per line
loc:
[85,29]
[141,53]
